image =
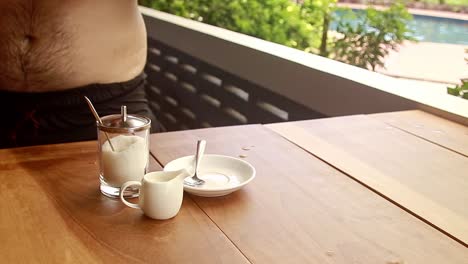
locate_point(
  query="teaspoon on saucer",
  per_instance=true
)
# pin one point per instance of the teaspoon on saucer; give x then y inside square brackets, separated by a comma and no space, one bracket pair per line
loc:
[194,180]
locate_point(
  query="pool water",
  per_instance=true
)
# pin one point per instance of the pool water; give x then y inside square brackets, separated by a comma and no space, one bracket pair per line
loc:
[433,29]
[442,30]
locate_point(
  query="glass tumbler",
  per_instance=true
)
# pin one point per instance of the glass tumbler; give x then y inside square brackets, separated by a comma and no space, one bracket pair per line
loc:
[123,152]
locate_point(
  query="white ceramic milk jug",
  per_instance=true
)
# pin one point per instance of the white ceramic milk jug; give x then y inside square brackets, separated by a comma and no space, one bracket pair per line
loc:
[161,193]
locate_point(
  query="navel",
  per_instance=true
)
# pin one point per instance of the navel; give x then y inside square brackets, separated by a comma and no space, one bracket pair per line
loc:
[29,40]
[26,45]
[26,42]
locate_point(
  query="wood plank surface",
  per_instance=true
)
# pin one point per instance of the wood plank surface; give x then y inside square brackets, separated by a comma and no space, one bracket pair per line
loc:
[46,152]
[298,209]
[435,129]
[428,180]
[51,211]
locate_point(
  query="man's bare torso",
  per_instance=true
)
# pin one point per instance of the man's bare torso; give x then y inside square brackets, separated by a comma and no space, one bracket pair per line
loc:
[48,45]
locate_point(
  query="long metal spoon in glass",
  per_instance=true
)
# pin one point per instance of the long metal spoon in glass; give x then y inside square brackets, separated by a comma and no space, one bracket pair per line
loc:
[194,180]
[98,119]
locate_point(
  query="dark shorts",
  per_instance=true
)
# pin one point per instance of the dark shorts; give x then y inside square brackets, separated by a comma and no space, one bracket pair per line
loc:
[63,116]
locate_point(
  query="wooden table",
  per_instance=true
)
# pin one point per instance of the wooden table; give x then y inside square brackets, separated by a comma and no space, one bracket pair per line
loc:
[360,189]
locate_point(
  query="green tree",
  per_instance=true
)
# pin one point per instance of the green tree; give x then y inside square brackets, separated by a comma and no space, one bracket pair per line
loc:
[278,21]
[319,14]
[367,40]
[302,24]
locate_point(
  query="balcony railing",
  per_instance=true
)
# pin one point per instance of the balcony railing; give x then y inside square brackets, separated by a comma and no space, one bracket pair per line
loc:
[201,76]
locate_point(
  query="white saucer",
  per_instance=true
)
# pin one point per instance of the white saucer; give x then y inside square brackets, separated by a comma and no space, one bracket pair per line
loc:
[222,174]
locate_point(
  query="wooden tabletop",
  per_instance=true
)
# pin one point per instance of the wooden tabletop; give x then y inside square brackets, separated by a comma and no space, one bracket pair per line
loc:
[427,179]
[51,211]
[434,129]
[304,206]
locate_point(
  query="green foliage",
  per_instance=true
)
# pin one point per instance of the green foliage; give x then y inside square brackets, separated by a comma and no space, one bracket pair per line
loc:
[459,90]
[278,21]
[367,39]
[304,26]
[319,13]
[274,20]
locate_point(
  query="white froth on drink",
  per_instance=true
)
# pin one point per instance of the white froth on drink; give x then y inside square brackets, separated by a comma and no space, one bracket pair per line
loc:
[127,162]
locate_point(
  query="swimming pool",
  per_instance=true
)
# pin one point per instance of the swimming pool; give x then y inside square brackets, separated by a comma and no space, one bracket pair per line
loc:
[435,29]
[442,30]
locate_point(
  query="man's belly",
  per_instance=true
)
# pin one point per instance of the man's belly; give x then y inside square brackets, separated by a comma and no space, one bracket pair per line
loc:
[48,45]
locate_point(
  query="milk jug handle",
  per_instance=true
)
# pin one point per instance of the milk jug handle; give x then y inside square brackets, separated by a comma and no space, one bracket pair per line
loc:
[122,191]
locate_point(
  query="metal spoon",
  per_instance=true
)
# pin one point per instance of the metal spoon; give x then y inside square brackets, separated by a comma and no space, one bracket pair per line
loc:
[98,119]
[194,180]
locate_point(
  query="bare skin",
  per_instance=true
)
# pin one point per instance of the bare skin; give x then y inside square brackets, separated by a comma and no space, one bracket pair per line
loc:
[51,45]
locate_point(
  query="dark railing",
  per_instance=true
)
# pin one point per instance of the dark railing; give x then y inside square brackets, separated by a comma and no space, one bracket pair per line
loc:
[187,93]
